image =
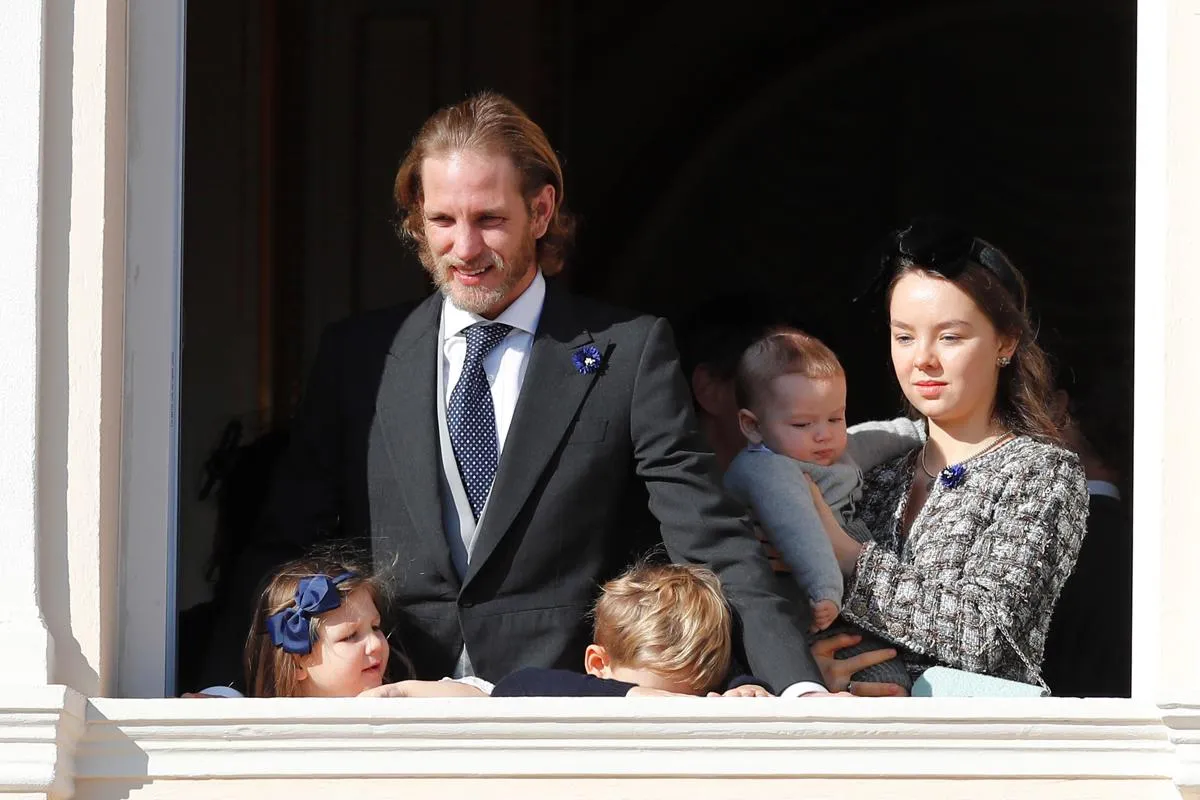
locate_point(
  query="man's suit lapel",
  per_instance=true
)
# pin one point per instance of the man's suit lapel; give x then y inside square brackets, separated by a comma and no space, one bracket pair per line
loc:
[551,394]
[405,413]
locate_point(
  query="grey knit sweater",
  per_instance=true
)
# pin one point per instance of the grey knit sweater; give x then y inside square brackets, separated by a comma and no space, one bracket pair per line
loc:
[774,488]
[974,582]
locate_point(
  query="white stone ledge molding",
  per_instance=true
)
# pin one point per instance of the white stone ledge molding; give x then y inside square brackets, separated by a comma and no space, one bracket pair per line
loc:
[616,737]
[40,727]
[1183,723]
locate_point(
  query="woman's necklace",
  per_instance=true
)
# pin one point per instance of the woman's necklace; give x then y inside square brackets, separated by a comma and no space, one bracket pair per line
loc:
[953,474]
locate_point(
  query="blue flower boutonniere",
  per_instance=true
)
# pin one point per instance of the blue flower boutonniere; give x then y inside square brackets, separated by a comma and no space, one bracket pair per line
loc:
[952,475]
[587,359]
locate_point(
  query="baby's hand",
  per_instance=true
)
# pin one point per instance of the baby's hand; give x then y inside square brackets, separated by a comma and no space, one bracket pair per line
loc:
[745,690]
[824,612]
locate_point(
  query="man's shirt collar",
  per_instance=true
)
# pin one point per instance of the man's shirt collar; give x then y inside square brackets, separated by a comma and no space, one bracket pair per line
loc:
[522,314]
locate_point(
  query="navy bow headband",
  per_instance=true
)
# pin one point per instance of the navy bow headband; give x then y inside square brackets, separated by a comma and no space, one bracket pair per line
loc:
[291,628]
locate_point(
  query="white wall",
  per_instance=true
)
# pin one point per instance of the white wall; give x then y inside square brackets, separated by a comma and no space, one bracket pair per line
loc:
[62,285]
[22,37]
[1180,546]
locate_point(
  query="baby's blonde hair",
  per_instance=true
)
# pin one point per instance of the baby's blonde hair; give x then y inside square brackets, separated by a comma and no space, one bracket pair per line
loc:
[672,619]
[782,351]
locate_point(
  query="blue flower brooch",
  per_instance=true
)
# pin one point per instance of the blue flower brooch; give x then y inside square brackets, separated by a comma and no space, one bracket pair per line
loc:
[952,475]
[587,359]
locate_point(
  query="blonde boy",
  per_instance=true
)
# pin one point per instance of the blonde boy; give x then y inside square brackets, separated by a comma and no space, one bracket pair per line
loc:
[662,629]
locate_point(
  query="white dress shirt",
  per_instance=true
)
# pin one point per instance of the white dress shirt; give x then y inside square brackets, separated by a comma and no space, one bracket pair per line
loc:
[505,365]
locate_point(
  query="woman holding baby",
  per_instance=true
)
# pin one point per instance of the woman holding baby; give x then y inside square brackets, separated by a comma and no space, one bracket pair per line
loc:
[976,531]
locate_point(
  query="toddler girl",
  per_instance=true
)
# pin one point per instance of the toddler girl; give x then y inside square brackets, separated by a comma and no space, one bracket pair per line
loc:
[317,632]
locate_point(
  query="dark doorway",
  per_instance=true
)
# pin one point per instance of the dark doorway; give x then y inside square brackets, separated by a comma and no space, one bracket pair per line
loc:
[755,147]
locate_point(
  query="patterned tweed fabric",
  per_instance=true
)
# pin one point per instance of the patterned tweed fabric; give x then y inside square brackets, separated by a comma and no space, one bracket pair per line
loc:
[974,582]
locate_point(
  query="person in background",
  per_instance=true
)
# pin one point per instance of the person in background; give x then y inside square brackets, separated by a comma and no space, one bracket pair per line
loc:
[712,338]
[1089,648]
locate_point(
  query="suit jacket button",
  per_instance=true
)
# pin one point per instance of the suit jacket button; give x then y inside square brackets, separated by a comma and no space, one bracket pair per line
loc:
[465,604]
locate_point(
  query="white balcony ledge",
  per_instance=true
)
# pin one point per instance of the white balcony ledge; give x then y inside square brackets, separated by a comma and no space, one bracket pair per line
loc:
[1183,722]
[53,741]
[827,738]
[39,729]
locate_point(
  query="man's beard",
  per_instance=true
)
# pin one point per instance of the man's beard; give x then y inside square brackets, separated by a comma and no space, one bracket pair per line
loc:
[479,299]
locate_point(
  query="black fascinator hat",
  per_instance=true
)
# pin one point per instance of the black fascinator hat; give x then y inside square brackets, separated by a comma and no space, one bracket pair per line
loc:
[942,246]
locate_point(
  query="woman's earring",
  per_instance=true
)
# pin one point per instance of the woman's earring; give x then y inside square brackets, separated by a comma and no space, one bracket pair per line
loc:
[1003,361]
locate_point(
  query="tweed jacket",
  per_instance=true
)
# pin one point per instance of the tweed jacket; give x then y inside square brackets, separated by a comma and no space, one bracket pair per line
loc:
[975,581]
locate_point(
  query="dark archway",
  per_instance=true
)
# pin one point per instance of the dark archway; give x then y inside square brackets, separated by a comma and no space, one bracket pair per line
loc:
[763,145]
[1016,117]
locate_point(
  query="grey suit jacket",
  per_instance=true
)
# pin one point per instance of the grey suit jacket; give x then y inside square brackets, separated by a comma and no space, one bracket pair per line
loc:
[596,469]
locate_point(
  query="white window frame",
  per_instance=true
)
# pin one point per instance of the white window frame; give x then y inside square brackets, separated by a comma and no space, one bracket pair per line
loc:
[154,214]
[150,415]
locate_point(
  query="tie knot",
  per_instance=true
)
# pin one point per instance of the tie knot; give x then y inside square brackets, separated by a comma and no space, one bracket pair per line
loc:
[483,337]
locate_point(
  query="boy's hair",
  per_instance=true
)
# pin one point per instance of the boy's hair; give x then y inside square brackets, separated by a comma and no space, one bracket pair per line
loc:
[782,351]
[672,619]
[270,670]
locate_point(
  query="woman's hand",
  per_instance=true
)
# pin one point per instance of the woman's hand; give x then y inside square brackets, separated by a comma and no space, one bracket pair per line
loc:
[845,548]
[837,671]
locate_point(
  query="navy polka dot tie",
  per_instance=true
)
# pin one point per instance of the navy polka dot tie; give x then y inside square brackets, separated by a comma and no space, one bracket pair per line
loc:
[471,417]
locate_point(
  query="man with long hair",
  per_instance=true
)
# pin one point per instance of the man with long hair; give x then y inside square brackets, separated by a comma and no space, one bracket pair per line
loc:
[496,443]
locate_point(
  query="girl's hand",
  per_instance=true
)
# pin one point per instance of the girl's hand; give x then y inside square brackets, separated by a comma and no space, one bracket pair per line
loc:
[424,689]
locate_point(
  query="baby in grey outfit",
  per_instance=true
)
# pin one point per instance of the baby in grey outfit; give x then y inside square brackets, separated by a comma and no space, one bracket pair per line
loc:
[792,392]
